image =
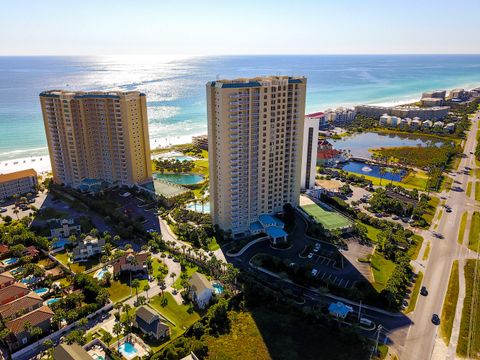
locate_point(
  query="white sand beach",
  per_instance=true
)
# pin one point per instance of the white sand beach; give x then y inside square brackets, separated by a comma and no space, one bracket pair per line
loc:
[40,164]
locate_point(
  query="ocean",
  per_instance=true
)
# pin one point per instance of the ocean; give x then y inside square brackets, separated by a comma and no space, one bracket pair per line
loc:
[175,86]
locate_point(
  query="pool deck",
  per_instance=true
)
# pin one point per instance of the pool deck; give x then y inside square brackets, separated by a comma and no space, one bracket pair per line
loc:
[142,348]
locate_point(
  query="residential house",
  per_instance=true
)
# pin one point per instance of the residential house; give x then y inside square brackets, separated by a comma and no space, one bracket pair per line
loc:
[427,124]
[87,247]
[70,352]
[4,250]
[450,127]
[150,323]
[40,317]
[13,292]
[23,305]
[63,228]
[201,290]
[6,279]
[438,124]
[31,251]
[126,262]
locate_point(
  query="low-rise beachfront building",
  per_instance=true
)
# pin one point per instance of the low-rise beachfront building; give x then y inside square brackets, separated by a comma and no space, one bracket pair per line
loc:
[18,183]
[404,111]
[200,141]
[340,116]
[438,124]
[149,322]
[19,337]
[86,248]
[63,228]
[415,123]
[201,290]
[427,124]
[429,102]
[131,261]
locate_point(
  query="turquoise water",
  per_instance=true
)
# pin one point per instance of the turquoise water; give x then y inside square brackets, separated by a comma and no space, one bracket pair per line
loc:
[205,208]
[181,158]
[218,288]
[359,144]
[98,357]
[101,273]
[10,261]
[128,350]
[372,170]
[41,291]
[180,179]
[52,301]
[29,280]
[175,89]
[17,270]
[60,243]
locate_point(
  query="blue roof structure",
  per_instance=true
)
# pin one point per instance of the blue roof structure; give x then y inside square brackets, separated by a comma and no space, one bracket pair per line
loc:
[256,226]
[339,309]
[275,232]
[266,219]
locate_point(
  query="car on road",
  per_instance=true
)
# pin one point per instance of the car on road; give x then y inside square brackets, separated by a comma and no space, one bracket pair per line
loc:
[448,209]
[395,217]
[437,235]
[435,319]
[310,255]
[423,291]
[2,210]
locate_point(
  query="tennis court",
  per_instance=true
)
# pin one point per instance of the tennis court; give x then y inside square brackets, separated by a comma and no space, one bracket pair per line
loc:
[329,219]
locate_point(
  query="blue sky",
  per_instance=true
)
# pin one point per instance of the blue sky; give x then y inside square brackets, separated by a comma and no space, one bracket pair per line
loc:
[203,27]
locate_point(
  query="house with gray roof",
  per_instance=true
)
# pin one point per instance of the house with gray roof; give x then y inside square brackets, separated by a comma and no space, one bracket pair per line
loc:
[87,247]
[201,290]
[149,322]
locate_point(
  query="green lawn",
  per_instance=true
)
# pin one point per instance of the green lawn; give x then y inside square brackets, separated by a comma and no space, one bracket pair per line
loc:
[190,270]
[415,292]
[372,232]
[470,317]
[213,245]
[463,225]
[77,268]
[412,181]
[427,251]
[118,291]
[474,235]
[330,219]
[477,191]
[469,189]
[414,249]
[382,270]
[450,304]
[447,182]
[178,314]
[432,208]
[158,267]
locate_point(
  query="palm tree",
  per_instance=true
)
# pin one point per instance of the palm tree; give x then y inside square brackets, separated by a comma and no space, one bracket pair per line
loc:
[117,330]
[135,284]
[15,211]
[146,288]
[383,171]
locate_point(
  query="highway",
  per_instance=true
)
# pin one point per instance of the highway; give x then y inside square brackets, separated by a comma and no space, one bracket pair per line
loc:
[422,333]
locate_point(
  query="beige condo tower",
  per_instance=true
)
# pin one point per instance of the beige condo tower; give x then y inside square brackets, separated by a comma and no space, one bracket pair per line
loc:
[255,136]
[97,135]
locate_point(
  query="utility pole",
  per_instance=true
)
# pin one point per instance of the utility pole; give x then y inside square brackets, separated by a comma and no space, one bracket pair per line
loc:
[376,341]
[360,310]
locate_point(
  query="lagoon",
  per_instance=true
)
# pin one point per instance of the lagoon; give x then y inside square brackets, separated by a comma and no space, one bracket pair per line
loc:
[180,179]
[373,170]
[360,143]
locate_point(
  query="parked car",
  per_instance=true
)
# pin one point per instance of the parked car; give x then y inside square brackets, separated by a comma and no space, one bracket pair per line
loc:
[310,255]
[423,291]
[2,210]
[435,319]
[395,217]
[314,272]
[316,248]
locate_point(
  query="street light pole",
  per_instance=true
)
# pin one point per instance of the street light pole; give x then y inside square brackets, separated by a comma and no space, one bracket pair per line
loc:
[378,336]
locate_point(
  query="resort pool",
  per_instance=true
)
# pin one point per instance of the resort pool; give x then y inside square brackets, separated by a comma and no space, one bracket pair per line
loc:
[182,158]
[180,179]
[60,243]
[372,170]
[29,280]
[17,270]
[128,350]
[52,301]
[218,288]
[10,261]
[98,357]
[205,208]
[41,291]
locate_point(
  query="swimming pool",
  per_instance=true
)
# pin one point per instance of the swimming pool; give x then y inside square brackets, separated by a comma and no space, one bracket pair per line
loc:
[41,291]
[29,280]
[60,243]
[100,273]
[128,350]
[218,288]
[17,270]
[10,261]
[97,357]
[180,179]
[52,301]
[205,208]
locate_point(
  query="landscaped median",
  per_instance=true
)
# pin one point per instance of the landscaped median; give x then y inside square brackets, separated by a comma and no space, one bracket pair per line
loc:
[461,230]
[450,304]
[474,236]
[415,292]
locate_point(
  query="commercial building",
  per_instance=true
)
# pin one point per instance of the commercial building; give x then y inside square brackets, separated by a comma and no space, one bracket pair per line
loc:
[309,152]
[97,136]
[18,183]
[405,111]
[255,136]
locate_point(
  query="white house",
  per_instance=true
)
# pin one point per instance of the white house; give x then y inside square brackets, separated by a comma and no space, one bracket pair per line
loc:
[63,228]
[201,290]
[87,247]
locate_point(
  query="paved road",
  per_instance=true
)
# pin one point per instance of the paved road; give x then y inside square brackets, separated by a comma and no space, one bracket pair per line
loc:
[423,333]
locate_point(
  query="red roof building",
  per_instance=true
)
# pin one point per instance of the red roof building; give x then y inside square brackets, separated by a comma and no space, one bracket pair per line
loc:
[13,292]
[124,263]
[25,304]
[6,279]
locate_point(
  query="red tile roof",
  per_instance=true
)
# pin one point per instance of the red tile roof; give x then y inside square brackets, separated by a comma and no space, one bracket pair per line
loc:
[4,249]
[328,154]
[12,291]
[35,318]
[141,258]
[11,309]
[6,277]
[31,251]
[315,115]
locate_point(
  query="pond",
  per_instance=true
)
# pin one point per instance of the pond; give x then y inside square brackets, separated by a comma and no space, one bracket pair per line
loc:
[372,170]
[359,143]
[180,179]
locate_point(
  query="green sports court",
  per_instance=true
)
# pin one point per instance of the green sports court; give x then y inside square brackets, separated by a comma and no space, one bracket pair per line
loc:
[329,219]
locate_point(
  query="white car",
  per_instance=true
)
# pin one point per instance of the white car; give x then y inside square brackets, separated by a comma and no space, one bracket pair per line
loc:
[316,248]
[314,272]
[310,255]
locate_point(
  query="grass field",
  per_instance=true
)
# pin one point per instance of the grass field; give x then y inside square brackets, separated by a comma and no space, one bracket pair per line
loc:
[474,236]
[450,304]
[382,269]
[447,182]
[414,250]
[477,191]
[469,189]
[469,318]
[415,292]
[372,232]
[178,283]
[329,219]
[265,334]
[432,208]
[413,180]
[463,225]
[427,251]
[77,268]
